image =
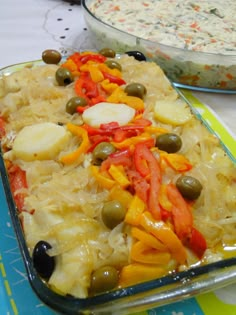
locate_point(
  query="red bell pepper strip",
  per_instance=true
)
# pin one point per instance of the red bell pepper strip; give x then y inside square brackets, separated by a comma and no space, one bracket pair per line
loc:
[197,243]
[139,184]
[96,140]
[17,179]
[113,79]
[2,127]
[181,213]
[118,158]
[153,168]
[92,57]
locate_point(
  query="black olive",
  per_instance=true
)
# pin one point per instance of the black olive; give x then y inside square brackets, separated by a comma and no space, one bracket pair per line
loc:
[136,89]
[137,55]
[169,142]
[63,76]
[189,187]
[51,56]
[112,64]
[104,279]
[107,52]
[73,103]
[43,263]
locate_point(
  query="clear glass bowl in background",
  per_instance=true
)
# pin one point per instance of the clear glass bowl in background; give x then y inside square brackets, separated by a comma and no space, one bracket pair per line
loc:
[136,298]
[185,68]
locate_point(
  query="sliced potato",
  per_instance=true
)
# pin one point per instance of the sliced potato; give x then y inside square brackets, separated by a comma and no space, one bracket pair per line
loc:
[103,113]
[172,112]
[40,142]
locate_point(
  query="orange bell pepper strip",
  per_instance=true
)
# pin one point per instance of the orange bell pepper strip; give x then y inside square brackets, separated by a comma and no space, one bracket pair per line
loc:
[102,179]
[136,208]
[2,127]
[144,137]
[165,234]
[113,72]
[177,161]
[147,239]
[182,215]
[95,74]
[137,273]
[82,149]
[142,253]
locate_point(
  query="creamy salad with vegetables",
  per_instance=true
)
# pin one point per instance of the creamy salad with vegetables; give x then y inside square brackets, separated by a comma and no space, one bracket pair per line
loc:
[114,179]
[207,26]
[177,35]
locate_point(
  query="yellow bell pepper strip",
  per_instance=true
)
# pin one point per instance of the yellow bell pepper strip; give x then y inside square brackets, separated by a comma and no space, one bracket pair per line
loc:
[142,152]
[119,96]
[165,234]
[177,161]
[103,180]
[95,74]
[108,86]
[119,175]
[113,72]
[82,149]
[142,253]
[163,199]
[148,239]
[155,130]
[181,213]
[136,208]
[123,196]
[137,273]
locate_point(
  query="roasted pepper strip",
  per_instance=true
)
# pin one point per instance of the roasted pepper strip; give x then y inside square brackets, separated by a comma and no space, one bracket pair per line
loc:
[152,165]
[182,215]
[142,253]
[136,208]
[165,234]
[119,96]
[177,161]
[147,239]
[119,175]
[197,243]
[17,179]
[103,180]
[84,146]
[136,273]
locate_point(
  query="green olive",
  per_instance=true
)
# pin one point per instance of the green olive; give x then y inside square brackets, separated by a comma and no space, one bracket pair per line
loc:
[107,52]
[112,64]
[136,89]
[189,187]
[104,279]
[102,151]
[169,142]
[63,76]
[51,56]
[113,213]
[73,103]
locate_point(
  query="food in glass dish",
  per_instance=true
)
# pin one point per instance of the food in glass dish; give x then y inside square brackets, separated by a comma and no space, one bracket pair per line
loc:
[114,179]
[194,43]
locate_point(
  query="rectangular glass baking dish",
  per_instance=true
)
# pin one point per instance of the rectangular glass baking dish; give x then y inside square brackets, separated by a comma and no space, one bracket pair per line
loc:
[140,297]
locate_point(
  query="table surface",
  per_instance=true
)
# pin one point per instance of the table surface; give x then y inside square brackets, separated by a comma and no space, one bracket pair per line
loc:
[27,28]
